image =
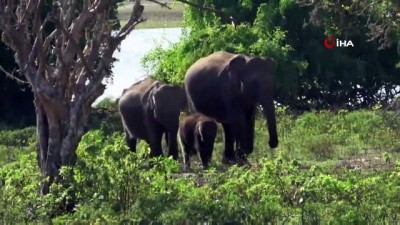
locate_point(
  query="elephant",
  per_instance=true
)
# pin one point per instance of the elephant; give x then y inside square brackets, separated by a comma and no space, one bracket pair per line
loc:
[149,109]
[228,87]
[197,134]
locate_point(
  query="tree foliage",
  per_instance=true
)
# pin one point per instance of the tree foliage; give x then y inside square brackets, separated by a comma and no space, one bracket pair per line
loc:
[343,16]
[308,75]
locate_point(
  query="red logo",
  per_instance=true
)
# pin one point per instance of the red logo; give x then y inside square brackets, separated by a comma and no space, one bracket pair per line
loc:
[330,42]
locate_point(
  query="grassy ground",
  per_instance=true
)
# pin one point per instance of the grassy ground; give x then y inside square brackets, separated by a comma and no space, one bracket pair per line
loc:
[329,168]
[157,16]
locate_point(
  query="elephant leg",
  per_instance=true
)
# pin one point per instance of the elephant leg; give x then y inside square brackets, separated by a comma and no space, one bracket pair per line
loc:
[155,144]
[249,123]
[228,156]
[205,159]
[185,152]
[186,157]
[238,125]
[155,133]
[172,143]
[131,141]
[166,137]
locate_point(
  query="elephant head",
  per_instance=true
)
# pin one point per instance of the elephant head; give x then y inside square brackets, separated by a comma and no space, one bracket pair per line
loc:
[252,78]
[232,73]
[258,85]
[207,130]
[167,100]
[228,87]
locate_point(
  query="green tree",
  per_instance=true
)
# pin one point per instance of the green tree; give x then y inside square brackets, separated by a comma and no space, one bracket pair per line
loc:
[308,75]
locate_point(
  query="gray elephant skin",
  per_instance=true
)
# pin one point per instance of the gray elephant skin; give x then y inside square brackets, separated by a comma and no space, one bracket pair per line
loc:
[149,109]
[228,87]
[196,135]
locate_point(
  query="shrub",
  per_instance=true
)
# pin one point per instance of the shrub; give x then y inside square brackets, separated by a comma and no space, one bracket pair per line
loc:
[110,184]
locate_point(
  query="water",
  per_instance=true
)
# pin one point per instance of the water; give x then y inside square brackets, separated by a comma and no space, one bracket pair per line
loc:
[128,69]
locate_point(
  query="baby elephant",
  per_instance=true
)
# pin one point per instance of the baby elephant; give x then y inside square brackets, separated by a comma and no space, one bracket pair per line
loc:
[197,134]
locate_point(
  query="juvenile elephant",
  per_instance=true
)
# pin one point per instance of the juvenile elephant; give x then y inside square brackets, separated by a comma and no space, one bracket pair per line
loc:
[148,110]
[228,87]
[197,134]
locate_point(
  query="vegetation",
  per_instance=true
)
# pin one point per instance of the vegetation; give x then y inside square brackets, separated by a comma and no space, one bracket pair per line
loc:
[331,168]
[308,75]
[335,166]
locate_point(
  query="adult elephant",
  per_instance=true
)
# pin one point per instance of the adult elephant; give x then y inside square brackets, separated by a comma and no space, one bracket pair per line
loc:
[149,109]
[228,87]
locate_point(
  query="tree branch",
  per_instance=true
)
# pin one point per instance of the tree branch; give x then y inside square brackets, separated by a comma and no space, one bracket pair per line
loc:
[165,5]
[304,3]
[217,12]
[12,76]
[134,19]
[80,53]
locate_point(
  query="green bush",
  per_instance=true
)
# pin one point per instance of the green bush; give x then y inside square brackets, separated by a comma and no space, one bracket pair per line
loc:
[13,142]
[105,116]
[18,138]
[302,183]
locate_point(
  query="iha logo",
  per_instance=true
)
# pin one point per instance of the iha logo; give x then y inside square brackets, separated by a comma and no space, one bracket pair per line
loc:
[331,42]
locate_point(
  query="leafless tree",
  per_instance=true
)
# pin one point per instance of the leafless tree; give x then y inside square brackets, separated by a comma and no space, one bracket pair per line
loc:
[65,66]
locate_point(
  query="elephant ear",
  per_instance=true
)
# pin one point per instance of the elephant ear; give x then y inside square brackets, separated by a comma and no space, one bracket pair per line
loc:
[124,90]
[148,96]
[234,69]
[265,64]
[168,100]
[269,63]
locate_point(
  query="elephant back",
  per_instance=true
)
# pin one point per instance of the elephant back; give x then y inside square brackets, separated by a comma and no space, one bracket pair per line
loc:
[140,86]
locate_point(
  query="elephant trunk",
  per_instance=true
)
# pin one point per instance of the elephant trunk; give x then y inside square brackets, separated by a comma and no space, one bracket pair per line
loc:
[267,103]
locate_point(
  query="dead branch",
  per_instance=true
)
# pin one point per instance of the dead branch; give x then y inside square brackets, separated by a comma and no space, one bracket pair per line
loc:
[80,53]
[217,12]
[134,19]
[165,5]
[12,76]
[305,3]
[72,66]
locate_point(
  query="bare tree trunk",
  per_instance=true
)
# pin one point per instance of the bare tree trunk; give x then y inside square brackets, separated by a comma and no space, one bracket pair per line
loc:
[59,134]
[60,128]
[42,145]
[66,77]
